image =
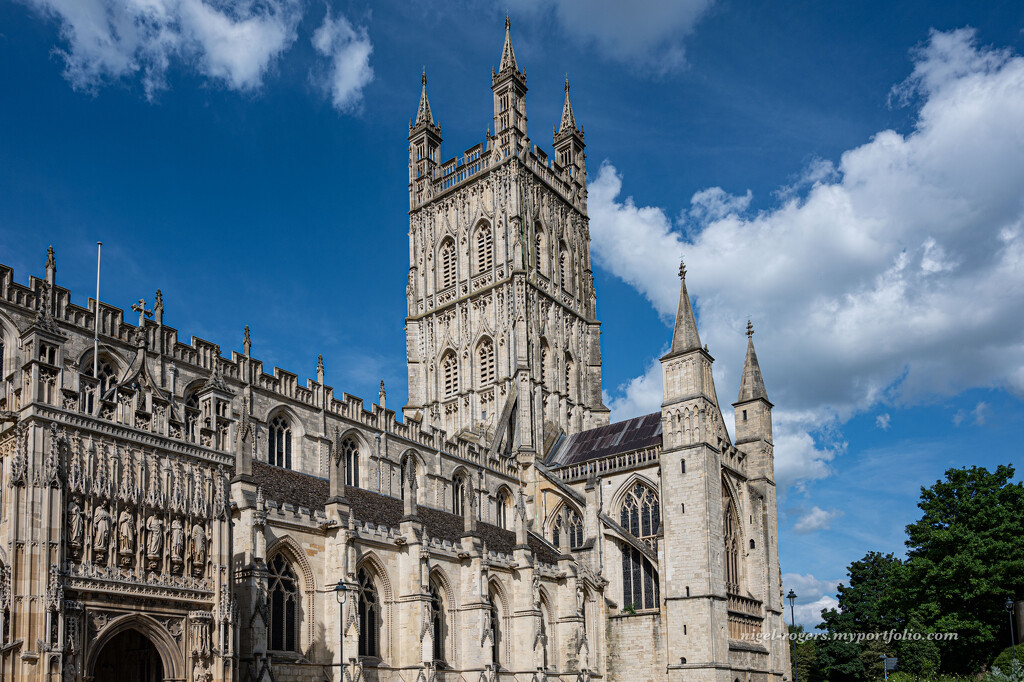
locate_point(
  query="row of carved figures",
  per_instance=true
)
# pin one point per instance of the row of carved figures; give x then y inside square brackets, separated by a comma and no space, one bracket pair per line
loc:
[133,534]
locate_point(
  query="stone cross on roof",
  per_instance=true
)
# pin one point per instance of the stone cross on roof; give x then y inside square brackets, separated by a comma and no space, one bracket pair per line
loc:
[140,308]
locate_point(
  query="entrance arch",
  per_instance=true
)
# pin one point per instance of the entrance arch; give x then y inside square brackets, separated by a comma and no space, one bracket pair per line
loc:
[135,648]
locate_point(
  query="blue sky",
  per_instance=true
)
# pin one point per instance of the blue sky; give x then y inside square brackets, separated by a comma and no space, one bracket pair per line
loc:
[849,176]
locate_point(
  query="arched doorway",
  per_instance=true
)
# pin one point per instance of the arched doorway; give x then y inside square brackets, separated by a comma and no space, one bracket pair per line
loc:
[129,656]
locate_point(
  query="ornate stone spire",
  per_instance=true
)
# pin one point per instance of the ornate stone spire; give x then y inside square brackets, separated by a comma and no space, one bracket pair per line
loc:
[752,384]
[423,114]
[568,119]
[508,55]
[684,336]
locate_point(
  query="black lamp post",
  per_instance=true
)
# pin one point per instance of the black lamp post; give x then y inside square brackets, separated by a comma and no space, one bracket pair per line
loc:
[792,599]
[341,593]
[1013,639]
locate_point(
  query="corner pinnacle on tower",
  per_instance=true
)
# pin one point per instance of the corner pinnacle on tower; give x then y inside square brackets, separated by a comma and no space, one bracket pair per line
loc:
[684,335]
[752,384]
[568,119]
[508,55]
[423,114]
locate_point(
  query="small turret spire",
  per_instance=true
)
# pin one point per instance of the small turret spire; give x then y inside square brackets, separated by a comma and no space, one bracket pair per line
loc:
[508,55]
[568,119]
[752,383]
[51,267]
[423,114]
[684,336]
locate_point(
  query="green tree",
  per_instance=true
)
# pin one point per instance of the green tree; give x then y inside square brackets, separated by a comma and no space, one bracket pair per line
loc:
[965,557]
[805,664]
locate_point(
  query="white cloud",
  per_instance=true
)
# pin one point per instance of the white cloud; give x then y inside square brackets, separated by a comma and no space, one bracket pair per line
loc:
[815,519]
[813,595]
[898,275]
[649,33]
[640,395]
[978,415]
[231,42]
[348,50]
[883,421]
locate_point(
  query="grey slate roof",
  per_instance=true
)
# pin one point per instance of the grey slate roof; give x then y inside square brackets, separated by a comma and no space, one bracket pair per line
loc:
[632,434]
[304,490]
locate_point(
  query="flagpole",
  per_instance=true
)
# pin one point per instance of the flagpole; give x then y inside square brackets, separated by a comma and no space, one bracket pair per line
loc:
[96,329]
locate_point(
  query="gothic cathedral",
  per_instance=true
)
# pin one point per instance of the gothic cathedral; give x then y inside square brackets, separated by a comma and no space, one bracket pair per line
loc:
[172,513]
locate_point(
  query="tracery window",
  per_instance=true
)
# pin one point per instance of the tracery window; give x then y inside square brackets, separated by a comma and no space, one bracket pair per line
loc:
[459,495]
[447,264]
[408,474]
[732,553]
[369,616]
[545,628]
[504,502]
[283,589]
[641,516]
[450,373]
[484,248]
[350,451]
[280,452]
[564,266]
[437,622]
[485,362]
[569,522]
[541,244]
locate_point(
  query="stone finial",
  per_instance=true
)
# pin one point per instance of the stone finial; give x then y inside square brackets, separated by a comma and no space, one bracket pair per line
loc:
[320,369]
[140,308]
[158,308]
[51,267]
[246,342]
[682,269]
[382,396]
[750,329]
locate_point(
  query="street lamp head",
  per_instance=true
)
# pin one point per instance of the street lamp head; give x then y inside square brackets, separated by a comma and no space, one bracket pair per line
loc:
[791,596]
[341,591]
[1009,605]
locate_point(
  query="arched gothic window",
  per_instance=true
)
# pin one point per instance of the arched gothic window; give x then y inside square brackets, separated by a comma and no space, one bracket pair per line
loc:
[484,248]
[446,264]
[450,372]
[459,495]
[280,452]
[439,629]
[641,516]
[283,589]
[350,451]
[503,503]
[732,553]
[369,616]
[569,522]
[545,629]
[485,362]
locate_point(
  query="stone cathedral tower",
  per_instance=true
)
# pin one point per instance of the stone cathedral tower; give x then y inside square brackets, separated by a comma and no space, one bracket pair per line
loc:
[503,343]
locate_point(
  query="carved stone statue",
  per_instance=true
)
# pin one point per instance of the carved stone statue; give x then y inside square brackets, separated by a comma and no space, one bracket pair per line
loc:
[126,532]
[155,541]
[101,523]
[177,541]
[76,525]
[198,545]
[579,598]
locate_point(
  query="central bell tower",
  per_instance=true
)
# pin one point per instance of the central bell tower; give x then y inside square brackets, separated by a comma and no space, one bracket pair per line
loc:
[503,343]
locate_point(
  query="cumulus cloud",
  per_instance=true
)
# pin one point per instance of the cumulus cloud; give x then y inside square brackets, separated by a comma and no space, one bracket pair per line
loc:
[815,519]
[978,415]
[883,421]
[649,33]
[231,42]
[813,595]
[347,50]
[893,276]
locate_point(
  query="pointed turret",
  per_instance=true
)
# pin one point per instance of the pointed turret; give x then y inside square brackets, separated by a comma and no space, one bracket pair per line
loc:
[753,410]
[508,84]
[684,336]
[423,114]
[752,385]
[508,55]
[424,141]
[568,119]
